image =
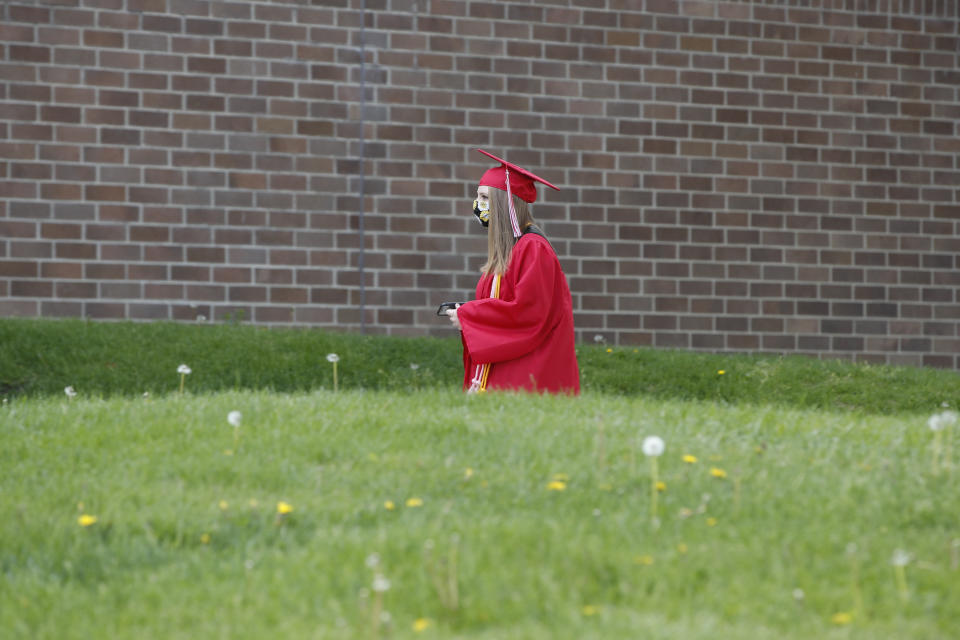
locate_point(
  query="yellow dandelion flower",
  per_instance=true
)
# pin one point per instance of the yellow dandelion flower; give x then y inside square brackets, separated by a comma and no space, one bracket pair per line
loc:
[467,473]
[224,505]
[609,350]
[414,502]
[717,472]
[421,624]
[389,506]
[689,459]
[283,508]
[682,548]
[841,618]
[253,503]
[86,520]
[590,610]
[556,485]
[711,522]
[721,372]
[661,485]
[205,538]
[645,560]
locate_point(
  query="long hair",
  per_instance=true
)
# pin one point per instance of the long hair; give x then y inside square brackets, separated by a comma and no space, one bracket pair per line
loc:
[500,238]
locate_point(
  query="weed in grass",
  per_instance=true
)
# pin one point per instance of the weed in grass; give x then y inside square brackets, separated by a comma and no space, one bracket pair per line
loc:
[334,359]
[234,419]
[184,371]
[900,560]
[653,448]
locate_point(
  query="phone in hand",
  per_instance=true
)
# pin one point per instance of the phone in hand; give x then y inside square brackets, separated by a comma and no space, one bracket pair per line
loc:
[442,309]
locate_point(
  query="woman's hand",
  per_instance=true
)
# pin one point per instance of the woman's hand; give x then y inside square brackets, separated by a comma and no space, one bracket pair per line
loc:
[452,314]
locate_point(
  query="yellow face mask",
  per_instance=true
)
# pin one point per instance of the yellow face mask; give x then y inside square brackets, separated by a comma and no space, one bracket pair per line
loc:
[482,211]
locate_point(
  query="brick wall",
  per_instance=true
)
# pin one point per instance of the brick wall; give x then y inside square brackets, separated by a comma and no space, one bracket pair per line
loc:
[777,176]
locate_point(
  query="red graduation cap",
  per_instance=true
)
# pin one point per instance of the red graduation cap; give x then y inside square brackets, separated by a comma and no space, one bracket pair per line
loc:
[509,177]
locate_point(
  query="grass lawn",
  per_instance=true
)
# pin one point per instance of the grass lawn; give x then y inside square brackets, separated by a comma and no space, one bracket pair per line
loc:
[431,514]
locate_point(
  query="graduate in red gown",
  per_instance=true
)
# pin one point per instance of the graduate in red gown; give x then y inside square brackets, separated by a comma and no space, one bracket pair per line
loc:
[518,332]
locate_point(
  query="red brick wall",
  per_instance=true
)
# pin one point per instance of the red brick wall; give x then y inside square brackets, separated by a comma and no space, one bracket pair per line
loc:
[777,176]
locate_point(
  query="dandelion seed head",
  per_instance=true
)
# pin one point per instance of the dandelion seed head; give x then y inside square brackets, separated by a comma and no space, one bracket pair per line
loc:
[414,366]
[184,370]
[380,583]
[598,338]
[900,558]
[798,594]
[935,422]
[249,564]
[332,357]
[70,391]
[652,446]
[385,617]
[234,418]
[597,513]
[372,560]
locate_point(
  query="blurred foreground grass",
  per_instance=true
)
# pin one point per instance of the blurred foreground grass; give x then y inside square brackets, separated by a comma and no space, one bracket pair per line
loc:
[501,516]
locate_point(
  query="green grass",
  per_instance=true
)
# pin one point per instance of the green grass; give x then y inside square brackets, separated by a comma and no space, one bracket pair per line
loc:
[729,559]
[828,470]
[41,357]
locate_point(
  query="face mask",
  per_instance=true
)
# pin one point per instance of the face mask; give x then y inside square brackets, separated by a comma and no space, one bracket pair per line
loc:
[482,211]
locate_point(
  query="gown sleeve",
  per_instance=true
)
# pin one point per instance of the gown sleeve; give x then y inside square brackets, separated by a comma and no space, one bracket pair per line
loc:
[497,330]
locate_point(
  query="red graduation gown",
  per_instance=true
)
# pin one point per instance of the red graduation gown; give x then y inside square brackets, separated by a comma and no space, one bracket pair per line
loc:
[526,334]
